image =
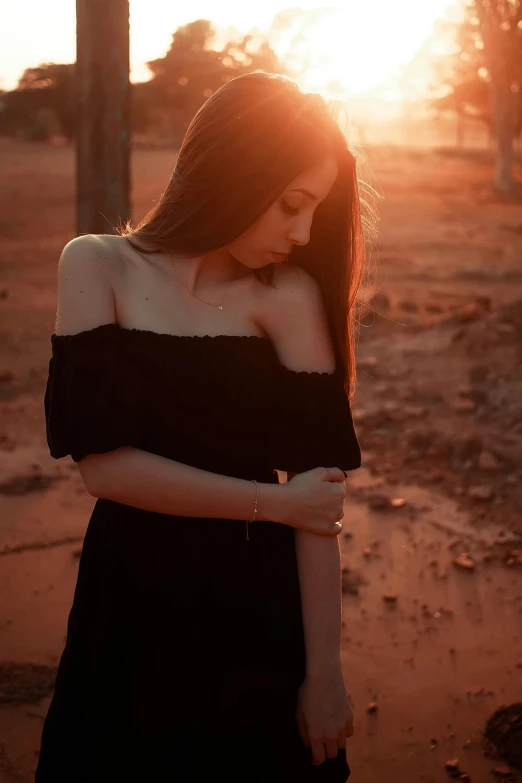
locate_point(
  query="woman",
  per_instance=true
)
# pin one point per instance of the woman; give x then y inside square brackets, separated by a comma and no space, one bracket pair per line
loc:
[194,357]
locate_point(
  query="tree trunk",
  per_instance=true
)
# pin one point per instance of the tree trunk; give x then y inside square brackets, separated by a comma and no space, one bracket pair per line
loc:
[504,162]
[504,104]
[460,130]
[103,139]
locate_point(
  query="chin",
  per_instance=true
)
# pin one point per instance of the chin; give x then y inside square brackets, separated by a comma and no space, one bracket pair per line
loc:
[258,264]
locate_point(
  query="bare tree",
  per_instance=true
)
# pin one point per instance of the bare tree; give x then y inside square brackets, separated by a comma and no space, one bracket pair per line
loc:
[500,25]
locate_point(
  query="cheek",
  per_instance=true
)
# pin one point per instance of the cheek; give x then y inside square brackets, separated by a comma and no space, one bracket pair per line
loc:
[271,227]
[260,236]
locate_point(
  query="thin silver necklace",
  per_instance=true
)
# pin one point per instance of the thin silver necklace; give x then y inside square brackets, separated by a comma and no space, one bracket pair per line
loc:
[219,306]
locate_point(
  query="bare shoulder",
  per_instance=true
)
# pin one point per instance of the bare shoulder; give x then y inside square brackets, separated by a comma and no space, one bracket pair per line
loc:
[92,250]
[294,282]
[295,293]
[295,320]
[86,271]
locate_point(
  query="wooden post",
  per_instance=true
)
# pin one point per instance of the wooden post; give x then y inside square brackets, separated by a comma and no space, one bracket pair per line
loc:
[103,138]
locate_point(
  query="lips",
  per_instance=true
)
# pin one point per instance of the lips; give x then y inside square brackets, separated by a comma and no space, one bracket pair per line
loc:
[280,257]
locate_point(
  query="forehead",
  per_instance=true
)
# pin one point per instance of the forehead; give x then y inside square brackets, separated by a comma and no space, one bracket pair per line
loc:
[317,180]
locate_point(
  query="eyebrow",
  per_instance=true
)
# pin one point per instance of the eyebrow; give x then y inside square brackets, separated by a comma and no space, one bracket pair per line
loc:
[306,192]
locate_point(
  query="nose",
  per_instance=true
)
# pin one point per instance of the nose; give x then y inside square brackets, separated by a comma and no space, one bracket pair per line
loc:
[299,233]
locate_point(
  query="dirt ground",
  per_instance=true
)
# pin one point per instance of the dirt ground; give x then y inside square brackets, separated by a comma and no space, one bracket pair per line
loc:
[432,548]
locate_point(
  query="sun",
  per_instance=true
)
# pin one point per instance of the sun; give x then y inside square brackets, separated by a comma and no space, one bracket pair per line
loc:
[356,46]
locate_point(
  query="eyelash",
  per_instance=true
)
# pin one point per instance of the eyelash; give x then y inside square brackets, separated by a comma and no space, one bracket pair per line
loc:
[288,209]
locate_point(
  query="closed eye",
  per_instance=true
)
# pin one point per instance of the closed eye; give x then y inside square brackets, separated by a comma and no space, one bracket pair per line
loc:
[289,209]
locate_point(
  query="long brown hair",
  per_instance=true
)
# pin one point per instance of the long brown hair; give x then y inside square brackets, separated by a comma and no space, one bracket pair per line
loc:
[247,142]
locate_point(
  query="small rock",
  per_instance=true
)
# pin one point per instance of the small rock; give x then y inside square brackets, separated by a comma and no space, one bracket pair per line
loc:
[484,492]
[409,306]
[464,389]
[367,551]
[488,461]
[464,776]
[464,561]
[463,406]
[397,502]
[415,410]
[514,557]
[350,581]
[372,707]
[452,765]
[378,502]
[368,361]
[389,597]
[471,311]
[502,772]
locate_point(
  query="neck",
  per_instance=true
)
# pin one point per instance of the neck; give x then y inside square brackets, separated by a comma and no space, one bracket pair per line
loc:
[209,272]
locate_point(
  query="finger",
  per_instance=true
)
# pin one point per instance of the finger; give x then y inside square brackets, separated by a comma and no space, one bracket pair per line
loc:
[317,751]
[334,474]
[331,749]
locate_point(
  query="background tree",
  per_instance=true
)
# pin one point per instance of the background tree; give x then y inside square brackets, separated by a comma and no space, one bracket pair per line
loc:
[499,25]
[47,87]
[482,75]
[194,68]
[461,73]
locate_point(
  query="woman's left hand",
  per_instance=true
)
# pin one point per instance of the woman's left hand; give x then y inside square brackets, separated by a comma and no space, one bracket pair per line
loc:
[324,714]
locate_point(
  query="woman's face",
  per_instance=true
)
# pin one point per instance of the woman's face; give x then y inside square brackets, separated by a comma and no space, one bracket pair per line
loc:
[287,222]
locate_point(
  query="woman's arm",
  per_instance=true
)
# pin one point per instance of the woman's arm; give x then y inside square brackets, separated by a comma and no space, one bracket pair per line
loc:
[319,565]
[319,568]
[153,483]
[295,320]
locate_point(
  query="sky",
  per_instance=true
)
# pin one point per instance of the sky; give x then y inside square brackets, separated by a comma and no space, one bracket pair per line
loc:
[361,45]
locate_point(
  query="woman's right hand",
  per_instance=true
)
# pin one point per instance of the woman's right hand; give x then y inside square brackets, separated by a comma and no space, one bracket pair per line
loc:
[314,500]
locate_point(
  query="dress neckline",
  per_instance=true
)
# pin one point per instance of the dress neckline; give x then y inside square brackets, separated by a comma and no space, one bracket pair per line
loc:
[68,339]
[111,326]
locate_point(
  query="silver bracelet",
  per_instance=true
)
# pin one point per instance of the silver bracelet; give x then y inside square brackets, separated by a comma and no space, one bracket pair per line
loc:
[255,509]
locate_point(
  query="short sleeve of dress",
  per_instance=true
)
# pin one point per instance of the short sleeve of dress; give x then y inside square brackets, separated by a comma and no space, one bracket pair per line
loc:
[91,398]
[314,423]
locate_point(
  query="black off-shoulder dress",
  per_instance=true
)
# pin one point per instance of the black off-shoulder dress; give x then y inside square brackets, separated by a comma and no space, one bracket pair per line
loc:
[185,646]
